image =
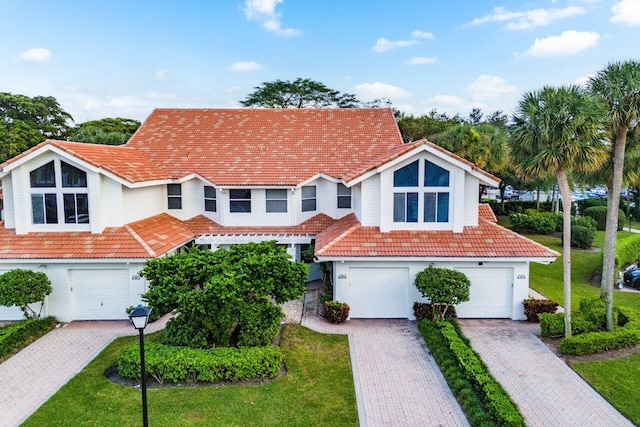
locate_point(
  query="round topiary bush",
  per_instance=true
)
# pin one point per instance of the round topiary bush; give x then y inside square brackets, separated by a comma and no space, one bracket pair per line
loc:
[443,287]
[582,237]
[599,214]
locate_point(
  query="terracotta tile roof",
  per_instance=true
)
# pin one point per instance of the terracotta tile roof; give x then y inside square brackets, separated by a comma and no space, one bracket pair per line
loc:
[485,212]
[122,161]
[396,152]
[201,225]
[347,238]
[143,239]
[160,233]
[265,146]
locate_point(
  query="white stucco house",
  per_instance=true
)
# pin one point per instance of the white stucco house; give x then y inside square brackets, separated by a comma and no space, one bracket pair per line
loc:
[379,210]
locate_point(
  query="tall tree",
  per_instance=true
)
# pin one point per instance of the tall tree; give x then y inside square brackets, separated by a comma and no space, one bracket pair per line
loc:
[618,85]
[301,93]
[556,131]
[109,131]
[25,122]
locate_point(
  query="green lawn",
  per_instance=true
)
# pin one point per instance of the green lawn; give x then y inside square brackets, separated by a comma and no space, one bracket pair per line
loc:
[618,380]
[317,390]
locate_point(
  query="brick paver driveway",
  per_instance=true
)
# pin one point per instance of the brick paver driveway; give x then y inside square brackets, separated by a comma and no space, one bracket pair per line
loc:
[547,390]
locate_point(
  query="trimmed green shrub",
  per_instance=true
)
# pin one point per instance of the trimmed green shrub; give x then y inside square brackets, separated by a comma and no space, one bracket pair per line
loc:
[443,287]
[552,325]
[599,214]
[587,203]
[336,312]
[23,287]
[517,206]
[594,342]
[584,221]
[538,224]
[424,310]
[582,237]
[182,364]
[16,335]
[457,377]
[627,250]
[534,307]
[497,401]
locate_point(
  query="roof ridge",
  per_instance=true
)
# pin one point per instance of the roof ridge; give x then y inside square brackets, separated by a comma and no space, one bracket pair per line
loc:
[140,240]
[342,235]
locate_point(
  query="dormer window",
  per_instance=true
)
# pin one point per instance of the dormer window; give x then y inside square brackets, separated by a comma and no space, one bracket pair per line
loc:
[75,203]
[429,191]
[344,197]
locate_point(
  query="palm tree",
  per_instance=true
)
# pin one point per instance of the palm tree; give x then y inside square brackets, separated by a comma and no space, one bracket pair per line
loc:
[556,131]
[618,85]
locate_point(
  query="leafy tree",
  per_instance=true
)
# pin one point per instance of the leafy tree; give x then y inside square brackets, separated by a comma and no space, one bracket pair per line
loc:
[556,131]
[107,131]
[301,93]
[443,287]
[23,287]
[618,85]
[224,297]
[25,122]
[415,128]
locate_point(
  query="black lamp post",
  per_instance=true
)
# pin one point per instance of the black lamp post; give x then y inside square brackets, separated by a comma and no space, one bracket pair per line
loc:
[139,317]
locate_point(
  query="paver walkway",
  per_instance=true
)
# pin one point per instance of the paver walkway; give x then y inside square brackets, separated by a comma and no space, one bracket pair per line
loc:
[545,388]
[31,377]
[397,381]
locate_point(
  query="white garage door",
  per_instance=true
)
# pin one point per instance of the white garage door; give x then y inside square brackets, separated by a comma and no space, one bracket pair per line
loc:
[378,292]
[490,293]
[100,294]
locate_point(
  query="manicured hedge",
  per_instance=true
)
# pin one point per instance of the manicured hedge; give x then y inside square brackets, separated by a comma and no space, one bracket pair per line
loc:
[517,206]
[587,327]
[424,310]
[627,250]
[16,335]
[474,376]
[599,213]
[183,364]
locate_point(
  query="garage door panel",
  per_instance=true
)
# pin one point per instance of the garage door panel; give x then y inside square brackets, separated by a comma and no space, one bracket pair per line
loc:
[490,295]
[378,292]
[100,294]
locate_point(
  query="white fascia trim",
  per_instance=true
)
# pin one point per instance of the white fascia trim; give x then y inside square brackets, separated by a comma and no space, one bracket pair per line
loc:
[541,260]
[74,260]
[317,176]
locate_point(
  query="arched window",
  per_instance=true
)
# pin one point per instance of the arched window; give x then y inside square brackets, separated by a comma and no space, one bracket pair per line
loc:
[411,191]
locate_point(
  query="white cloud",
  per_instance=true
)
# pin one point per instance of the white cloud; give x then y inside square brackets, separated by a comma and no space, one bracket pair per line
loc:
[161,75]
[245,66]
[377,90]
[489,88]
[384,45]
[450,104]
[419,34]
[264,12]
[421,60]
[568,43]
[38,54]
[626,12]
[528,19]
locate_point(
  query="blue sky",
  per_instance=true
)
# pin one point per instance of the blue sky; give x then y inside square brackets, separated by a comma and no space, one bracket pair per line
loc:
[124,58]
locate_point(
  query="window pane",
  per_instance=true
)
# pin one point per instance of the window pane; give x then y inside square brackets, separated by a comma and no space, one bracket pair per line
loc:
[412,207]
[429,207]
[174,189]
[37,208]
[443,207]
[240,206]
[398,207]
[435,176]
[343,190]
[277,194]
[276,205]
[72,176]
[69,201]
[240,194]
[174,202]
[210,205]
[407,176]
[51,208]
[209,192]
[344,202]
[44,176]
[308,205]
[309,192]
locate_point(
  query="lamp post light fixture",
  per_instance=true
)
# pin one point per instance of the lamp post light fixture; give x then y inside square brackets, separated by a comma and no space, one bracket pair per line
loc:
[140,317]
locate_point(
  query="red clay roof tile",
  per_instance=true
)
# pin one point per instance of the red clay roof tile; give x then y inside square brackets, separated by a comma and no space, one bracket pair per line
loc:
[265,146]
[202,225]
[348,238]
